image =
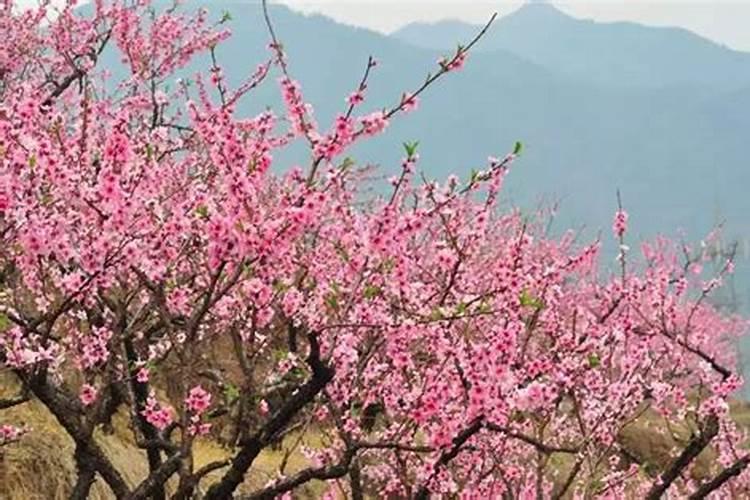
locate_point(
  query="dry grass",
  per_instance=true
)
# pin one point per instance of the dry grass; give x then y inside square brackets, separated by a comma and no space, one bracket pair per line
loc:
[41,466]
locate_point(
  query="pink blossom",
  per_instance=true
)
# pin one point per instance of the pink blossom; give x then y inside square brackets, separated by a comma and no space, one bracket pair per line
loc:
[355,98]
[157,415]
[374,123]
[198,400]
[620,224]
[88,394]
[10,433]
[263,407]
[409,103]
[423,315]
[198,428]
[456,63]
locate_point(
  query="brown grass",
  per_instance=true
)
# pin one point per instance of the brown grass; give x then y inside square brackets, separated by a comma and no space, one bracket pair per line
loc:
[41,466]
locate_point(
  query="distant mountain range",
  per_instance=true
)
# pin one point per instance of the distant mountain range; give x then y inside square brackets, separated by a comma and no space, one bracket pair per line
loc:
[618,54]
[659,113]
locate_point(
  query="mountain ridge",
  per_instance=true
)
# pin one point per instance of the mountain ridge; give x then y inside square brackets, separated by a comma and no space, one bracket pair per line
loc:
[612,53]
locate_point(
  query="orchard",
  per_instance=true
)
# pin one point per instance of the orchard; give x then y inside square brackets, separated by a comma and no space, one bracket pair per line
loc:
[155,259]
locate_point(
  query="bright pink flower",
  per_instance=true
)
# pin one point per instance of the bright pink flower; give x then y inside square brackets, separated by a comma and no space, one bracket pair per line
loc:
[134,211]
[157,415]
[199,428]
[198,400]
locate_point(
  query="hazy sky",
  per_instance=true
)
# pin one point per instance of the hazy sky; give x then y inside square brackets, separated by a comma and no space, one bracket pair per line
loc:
[725,21]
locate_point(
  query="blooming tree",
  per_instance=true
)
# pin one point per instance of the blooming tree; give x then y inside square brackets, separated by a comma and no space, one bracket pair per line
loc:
[439,345]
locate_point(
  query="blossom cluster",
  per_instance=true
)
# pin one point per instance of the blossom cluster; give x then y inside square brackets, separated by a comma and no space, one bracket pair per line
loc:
[156,414]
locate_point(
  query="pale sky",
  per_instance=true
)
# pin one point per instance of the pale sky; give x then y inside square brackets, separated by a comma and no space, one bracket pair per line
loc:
[724,21]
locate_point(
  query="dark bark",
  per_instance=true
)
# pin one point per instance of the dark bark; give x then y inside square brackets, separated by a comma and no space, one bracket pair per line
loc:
[251,447]
[334,471]
[732,471]
[355,477]
[154,483]
[86,475]
[692,450]
[423,493]
[68,413]
[150,434]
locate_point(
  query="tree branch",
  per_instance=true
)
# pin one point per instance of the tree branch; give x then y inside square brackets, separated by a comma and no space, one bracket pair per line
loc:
[692,450]
[423,493]
[251,447]
[724,476]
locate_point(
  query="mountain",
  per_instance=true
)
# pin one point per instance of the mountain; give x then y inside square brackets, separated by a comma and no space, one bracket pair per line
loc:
[620,53]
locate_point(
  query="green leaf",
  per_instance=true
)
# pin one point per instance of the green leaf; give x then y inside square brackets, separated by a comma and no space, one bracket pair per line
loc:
[4,322]
[247,268]
[347,163]
[231,393]
[528,300]
[226,16]
[518,148]
[32,161]
[149,151]
[594,360]
[474,176]
[372,291]
[297,373]
[411,148]
[332,301]
[436,314]
[355,408]
[342,252]
[461,308]
[202,211]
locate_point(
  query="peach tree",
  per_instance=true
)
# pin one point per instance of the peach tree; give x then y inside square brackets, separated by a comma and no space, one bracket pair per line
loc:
[152,262]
